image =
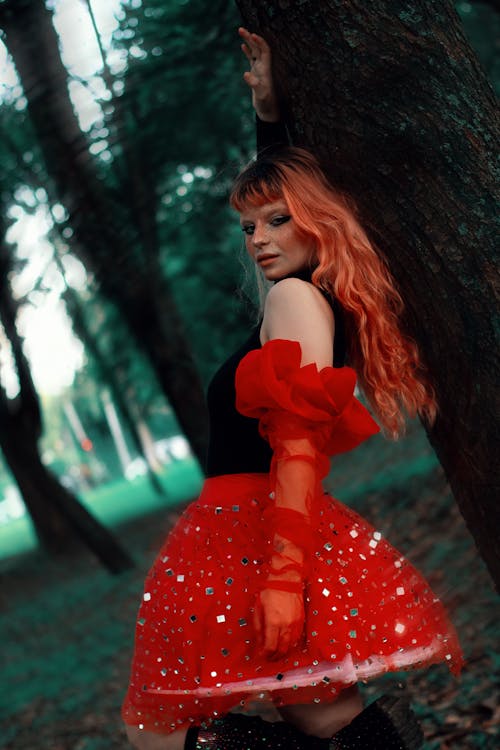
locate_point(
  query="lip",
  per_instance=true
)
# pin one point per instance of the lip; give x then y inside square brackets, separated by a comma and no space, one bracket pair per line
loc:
[265,260]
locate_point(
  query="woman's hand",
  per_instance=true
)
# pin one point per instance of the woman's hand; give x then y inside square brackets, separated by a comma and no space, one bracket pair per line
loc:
[278,621]
[259,77]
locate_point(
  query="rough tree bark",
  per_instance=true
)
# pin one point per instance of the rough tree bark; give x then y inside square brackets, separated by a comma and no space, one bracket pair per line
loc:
[109,239]
[58,517]
[391,98]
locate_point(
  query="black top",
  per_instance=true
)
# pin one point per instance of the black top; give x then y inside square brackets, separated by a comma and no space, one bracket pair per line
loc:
[270,135]
[235,445]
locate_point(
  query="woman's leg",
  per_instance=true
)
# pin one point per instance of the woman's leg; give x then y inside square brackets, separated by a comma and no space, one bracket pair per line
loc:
[325,719]
[386,724]
[142,740]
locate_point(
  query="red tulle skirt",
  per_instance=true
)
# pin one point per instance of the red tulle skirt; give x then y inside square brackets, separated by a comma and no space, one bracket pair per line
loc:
[368,611]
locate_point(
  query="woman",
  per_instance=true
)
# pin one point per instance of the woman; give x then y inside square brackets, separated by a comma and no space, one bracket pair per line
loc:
[268,589]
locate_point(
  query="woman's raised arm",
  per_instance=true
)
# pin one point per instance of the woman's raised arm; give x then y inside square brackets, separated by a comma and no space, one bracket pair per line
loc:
[271,130]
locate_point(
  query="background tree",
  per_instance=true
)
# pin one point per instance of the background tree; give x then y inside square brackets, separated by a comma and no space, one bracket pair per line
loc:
[392,99]
[123,254]
[57,515]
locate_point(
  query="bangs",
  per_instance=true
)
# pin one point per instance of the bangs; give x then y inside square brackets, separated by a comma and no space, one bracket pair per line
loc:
[258,184]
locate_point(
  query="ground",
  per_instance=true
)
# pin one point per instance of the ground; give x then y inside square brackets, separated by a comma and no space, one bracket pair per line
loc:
[67,625]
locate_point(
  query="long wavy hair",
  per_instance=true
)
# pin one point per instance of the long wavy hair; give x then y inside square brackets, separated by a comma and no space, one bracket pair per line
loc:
[349,268]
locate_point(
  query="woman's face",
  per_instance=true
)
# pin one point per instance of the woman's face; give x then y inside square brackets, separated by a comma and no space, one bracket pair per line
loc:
[274,242]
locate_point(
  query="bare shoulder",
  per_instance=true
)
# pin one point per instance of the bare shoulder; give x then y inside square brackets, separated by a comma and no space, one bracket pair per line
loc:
[296,310]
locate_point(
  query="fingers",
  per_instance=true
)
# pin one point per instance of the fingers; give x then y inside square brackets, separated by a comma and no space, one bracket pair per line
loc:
[258,623]
[255,47]
[277,643]
[247,52]
[251,79]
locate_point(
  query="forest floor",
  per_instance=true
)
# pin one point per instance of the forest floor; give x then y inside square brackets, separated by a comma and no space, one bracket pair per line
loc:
[66,626]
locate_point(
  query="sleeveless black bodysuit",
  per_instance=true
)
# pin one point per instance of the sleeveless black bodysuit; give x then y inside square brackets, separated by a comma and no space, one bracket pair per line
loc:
[235,445]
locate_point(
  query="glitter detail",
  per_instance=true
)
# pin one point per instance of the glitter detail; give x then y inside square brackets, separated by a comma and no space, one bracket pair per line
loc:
[236,508]
[328,546]
[193,618]
[209,591]
[218,510]
[400,591]
[353,533]
[399,627]
[325,592]
[343,580]
[372,543]
[242,622]
[180,578]
[229,581]
[244,560]
[141,621]
[353,612]
[352,634]
[221,618]
[147,597]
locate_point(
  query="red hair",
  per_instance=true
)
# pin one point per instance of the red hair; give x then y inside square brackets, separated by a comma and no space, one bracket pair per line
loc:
[348,268]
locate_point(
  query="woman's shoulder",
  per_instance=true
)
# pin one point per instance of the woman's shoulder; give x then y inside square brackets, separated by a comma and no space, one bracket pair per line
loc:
[292,293]
[296,310]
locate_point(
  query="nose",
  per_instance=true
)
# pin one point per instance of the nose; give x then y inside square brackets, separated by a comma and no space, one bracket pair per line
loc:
[259,237]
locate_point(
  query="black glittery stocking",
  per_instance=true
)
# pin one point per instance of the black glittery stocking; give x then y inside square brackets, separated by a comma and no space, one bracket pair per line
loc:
[387,724]
[239,732]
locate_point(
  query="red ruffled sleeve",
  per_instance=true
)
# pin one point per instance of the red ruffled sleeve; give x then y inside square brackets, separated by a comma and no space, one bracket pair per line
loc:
[289,399]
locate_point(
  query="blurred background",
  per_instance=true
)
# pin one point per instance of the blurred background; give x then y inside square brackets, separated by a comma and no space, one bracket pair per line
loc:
[123,285]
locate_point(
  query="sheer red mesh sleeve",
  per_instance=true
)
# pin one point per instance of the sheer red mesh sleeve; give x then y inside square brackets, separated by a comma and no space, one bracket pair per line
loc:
[306,415]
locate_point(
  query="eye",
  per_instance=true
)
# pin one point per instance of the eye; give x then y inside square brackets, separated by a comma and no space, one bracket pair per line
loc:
[278,220]
[248,228]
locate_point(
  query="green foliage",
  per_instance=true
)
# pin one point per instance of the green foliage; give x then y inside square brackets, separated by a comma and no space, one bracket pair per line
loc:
[482,28]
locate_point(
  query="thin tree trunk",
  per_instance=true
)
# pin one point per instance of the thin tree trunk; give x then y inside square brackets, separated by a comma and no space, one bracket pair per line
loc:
[148,446]
[57,515]
[116,430]
[120,253]
[391,98]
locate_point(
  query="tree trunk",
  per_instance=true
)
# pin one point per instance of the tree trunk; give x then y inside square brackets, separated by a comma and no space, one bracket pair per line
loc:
[57,515]
[391,98]
[105,237]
